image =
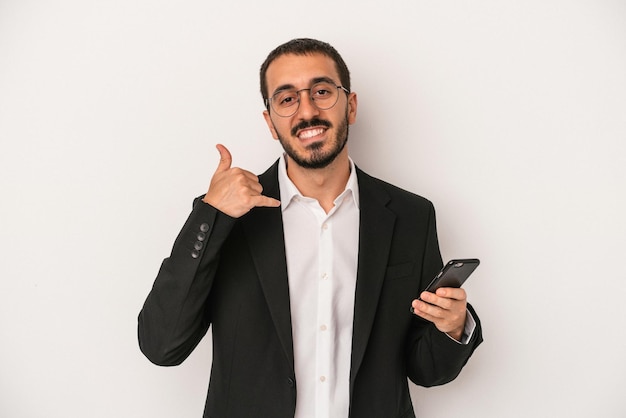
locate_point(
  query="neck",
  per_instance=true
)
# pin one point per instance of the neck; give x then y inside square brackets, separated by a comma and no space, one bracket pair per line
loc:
[322,184]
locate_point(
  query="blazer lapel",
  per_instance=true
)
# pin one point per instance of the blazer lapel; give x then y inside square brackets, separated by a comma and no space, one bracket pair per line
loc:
[264,231]
[375,234]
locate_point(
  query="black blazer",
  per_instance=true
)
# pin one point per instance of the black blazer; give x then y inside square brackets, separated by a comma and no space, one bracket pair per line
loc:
[232,273]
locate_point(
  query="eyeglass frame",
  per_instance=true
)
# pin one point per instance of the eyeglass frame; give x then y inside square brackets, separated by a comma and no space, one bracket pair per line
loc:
[318,81]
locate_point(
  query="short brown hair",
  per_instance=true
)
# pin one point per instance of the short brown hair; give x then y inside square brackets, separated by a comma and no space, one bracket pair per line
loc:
[305,46]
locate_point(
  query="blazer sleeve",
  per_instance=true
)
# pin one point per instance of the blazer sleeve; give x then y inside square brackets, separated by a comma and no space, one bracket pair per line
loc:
[175,315]
[433,358]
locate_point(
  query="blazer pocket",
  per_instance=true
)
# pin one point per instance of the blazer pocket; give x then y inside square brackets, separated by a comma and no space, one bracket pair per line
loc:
[399,270]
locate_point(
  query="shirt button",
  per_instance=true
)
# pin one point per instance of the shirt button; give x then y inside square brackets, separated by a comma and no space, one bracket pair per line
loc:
[325,226]
[324,276]
[204,227]
[323,328]
[322,378]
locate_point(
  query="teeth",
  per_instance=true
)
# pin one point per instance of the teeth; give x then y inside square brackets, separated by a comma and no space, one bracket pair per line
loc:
[311,133]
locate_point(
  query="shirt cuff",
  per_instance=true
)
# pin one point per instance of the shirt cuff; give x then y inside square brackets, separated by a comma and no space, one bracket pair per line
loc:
[468,331]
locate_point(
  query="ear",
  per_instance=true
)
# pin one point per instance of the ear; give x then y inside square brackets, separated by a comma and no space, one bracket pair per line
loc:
[270,124]
[352,105]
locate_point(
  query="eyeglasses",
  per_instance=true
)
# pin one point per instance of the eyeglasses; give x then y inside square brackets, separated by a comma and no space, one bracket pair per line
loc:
[323,95]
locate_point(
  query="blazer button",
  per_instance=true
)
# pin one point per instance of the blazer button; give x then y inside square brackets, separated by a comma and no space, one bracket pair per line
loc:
[291,382]
[198,245]
[201,236]
[195,254]
[204,227]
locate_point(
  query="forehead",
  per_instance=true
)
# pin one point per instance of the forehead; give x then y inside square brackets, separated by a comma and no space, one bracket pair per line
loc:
[299,70]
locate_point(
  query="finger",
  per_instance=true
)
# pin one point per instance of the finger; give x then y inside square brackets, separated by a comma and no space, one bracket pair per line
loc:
[225,158]
[425,316]
[425,307]
[429,297]
[265,201]
[425,310]
[254,187]
[237,171]
[452,293]
[441,317]
[446,302]
[445,320]
[250,176]
[246,181]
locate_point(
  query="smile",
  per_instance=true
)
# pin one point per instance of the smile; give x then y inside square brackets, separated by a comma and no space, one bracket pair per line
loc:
[310,133]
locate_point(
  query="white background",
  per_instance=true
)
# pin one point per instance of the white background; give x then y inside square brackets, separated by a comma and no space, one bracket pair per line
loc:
[509,115]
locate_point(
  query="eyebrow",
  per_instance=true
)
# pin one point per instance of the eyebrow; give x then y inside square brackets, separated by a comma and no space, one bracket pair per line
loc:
[313,81]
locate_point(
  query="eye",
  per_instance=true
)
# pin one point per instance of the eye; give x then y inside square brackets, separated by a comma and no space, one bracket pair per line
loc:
[285,99]
[322,91]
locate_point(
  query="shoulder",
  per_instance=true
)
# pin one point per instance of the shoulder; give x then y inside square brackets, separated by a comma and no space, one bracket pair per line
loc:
[370,186]
[271,174]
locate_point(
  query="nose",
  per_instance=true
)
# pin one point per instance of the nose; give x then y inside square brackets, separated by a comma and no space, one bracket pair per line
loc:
[306,108]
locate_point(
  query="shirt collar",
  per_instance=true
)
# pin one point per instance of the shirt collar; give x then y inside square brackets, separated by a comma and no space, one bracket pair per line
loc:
[288,190]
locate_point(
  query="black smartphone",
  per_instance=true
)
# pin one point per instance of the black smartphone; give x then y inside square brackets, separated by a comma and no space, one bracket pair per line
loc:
[453,274]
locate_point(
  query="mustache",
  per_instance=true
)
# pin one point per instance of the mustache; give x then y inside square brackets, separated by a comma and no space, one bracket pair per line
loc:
[310,124]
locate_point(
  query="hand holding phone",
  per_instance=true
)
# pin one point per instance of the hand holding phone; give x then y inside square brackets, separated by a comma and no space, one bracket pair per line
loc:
[453,274]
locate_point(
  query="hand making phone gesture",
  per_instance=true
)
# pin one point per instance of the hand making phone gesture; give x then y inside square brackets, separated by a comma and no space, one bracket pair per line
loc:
[235,191]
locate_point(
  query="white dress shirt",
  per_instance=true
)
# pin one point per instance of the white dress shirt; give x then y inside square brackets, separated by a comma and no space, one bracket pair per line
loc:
[322,257]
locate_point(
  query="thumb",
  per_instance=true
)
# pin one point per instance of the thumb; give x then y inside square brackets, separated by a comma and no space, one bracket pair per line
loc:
[225,158]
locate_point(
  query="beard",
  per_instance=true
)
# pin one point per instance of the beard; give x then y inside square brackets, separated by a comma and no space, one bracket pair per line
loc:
[316,157]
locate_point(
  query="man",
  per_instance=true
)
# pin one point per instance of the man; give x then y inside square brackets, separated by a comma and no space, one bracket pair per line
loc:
[309,273]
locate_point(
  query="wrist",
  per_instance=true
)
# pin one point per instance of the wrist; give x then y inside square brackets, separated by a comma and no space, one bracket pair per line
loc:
[456,334]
